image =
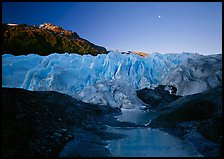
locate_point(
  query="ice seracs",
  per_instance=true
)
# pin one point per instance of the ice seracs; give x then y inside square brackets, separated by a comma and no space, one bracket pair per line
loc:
[78,75]
[114,93]
[196,75]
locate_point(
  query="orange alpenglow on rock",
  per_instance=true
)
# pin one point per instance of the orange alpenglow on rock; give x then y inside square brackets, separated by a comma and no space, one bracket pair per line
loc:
[12,24]
[140,53]
[55,28]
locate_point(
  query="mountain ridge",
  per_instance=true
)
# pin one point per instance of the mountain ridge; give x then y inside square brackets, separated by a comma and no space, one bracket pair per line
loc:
[23,39]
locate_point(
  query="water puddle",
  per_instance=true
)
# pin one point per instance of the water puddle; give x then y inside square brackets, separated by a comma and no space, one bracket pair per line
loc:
[136,116]
[146,142]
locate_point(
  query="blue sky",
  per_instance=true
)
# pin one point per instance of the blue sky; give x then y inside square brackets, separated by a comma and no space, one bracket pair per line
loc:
[182,27]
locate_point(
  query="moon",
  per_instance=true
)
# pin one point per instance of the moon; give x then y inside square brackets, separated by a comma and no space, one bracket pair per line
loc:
[159,16]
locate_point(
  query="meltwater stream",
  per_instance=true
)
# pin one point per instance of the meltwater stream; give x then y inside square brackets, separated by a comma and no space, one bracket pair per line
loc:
[146,142]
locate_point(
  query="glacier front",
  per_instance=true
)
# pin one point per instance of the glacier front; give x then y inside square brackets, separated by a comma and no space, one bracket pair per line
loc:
[112,78]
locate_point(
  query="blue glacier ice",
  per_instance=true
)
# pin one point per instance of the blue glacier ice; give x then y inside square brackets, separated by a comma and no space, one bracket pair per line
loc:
[78,75]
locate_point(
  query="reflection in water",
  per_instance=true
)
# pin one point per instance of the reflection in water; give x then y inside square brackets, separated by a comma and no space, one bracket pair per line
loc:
[137,116]
[146,141]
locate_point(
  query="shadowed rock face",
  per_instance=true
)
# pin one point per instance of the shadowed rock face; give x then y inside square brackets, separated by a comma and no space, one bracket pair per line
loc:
[41,123]
[157,97]
[46,39]
[192,110]
[195,118]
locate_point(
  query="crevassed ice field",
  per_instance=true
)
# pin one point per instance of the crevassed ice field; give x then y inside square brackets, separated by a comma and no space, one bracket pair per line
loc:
[111,78]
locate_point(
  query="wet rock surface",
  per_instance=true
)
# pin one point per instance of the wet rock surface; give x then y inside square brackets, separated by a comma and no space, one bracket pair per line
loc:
[36,123]
[47,124]
[196,119]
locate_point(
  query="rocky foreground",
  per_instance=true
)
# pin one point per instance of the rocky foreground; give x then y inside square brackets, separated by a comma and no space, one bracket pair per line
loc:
[36,123]
[48,123]
[196,119]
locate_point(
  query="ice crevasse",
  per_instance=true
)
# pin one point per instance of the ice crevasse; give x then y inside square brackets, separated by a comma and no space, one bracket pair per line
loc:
[110,79]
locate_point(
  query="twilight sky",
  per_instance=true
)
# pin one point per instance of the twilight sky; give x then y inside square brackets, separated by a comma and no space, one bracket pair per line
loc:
[162,27]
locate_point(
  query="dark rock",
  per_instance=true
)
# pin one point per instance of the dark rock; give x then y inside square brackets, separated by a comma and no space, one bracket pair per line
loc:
[212,129]
[159,96]
[191,110]
[42,128]
[195,118]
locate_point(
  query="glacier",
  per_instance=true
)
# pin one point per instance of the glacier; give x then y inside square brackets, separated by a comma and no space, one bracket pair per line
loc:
[114,93]
[113,78]
[196,75]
